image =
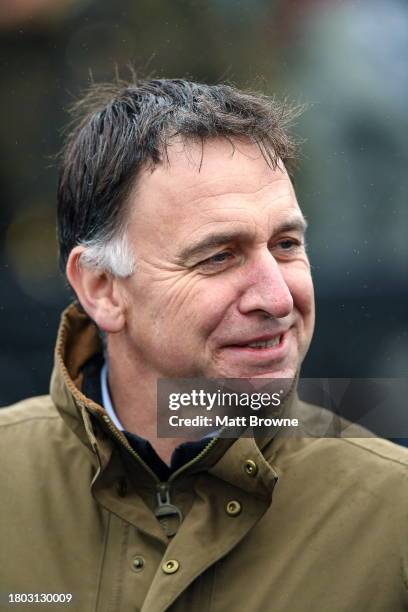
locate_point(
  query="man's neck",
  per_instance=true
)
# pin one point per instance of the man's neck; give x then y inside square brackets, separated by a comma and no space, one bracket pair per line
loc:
[134,398]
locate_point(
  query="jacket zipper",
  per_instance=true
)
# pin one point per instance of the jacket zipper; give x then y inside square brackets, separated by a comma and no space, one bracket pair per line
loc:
[164,508]
[121,438]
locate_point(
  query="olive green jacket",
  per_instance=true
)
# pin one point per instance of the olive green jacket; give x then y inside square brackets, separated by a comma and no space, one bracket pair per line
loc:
[308,525]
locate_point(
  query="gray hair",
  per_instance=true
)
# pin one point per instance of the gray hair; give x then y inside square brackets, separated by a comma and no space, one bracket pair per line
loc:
[112,253]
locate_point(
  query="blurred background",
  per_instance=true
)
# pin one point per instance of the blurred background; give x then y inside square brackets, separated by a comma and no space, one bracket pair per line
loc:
[347,60]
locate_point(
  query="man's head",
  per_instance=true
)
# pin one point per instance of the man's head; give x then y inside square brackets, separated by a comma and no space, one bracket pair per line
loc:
[180,231]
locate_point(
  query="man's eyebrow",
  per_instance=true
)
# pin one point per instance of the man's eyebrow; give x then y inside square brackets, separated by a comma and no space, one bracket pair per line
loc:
[216,239]
[297,224]
[211,241]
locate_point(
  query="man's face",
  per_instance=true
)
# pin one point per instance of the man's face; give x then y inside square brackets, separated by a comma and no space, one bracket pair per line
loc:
[222,286]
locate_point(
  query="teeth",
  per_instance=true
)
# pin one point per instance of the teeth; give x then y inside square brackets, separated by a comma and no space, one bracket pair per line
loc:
[265,343]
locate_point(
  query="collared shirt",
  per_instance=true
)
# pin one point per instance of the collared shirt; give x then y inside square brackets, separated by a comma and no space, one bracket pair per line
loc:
[95,386]
[106,398]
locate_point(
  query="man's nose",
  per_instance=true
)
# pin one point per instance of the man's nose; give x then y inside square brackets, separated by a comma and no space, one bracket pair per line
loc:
[265,288]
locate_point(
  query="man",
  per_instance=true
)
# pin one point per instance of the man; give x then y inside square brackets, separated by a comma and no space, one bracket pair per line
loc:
[182,238]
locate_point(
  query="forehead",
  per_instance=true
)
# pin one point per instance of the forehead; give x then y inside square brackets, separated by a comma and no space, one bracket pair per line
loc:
[199,186]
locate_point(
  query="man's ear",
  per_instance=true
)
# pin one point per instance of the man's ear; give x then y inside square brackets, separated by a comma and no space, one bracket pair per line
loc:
[97,291]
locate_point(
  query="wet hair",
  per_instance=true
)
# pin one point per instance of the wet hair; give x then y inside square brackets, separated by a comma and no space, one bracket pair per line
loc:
[123,128]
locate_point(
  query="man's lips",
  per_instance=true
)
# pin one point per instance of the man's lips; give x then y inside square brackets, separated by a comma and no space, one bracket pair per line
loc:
[259,356]
[259,343]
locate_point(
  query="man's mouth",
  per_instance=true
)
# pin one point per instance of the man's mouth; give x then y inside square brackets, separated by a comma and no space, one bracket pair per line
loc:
[259,353]
[263,344]
[266,342]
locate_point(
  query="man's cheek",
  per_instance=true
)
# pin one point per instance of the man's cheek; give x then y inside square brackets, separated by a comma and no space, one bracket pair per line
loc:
[178,295]
[309,300]
[300,284]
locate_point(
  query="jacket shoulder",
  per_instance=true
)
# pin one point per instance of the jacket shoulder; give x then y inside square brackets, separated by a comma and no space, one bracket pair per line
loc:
[353,440]
[349,449]
[34,408]
[34,427]
[378,450]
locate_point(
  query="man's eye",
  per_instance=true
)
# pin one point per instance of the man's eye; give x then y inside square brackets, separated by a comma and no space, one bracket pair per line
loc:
[218,259]
[289,244]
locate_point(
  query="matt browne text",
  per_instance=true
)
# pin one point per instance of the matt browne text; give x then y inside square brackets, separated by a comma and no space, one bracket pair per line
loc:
[227,421]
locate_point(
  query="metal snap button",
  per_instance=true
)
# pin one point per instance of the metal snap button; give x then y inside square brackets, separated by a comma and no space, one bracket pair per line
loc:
[138,564]
[233,508]
[250,467]
[171,566]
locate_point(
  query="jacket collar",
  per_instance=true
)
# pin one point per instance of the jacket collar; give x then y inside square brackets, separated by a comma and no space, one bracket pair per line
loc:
[77,341]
